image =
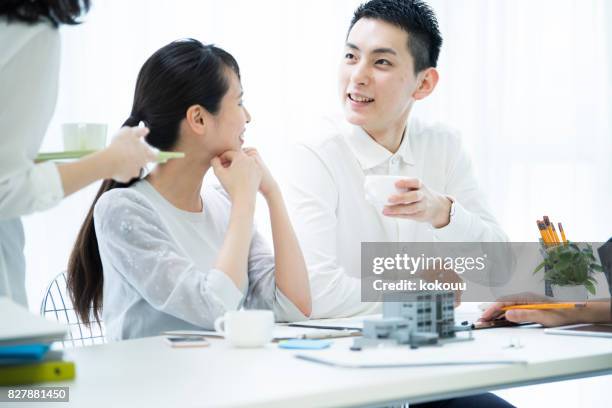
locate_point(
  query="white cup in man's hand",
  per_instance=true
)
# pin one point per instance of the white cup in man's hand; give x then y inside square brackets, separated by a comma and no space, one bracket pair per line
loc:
[246,328]
[378,189]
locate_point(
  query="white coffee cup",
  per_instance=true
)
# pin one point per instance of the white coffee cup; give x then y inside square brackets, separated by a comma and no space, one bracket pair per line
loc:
[246,328]
[378,189]
[84,136]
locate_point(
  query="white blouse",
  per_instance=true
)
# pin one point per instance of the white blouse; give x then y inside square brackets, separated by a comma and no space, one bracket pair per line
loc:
[159,261]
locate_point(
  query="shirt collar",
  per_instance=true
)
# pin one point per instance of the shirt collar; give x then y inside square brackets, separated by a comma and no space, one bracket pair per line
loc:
[370,154]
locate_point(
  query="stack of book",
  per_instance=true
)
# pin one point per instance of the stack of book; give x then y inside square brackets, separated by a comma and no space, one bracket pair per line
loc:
[26,356]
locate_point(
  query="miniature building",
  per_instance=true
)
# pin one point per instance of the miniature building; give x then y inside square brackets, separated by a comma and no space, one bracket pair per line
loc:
[414,318]
[425,311]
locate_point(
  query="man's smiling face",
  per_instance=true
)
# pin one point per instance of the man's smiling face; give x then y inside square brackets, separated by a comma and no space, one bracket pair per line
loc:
[377,77]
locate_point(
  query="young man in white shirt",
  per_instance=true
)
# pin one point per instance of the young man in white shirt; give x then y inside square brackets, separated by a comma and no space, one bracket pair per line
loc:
[390,57]
[390,60]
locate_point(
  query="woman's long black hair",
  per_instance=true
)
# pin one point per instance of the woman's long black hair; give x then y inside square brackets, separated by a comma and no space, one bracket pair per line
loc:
[179,75]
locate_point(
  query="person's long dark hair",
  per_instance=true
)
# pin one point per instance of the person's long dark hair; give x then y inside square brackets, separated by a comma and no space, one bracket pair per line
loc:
[181,74]
[55,11]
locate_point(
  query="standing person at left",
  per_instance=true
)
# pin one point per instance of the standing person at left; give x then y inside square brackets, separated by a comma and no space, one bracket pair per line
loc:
[29,72]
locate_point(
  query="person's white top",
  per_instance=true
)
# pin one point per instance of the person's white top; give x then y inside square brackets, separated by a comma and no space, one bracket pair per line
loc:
[159,261]
[29,70]
[332,217]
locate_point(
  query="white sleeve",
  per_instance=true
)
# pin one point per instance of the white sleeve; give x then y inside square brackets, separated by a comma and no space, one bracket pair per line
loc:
[313,200]
[133,241]
[34,188]
[28,90]
[472,220]
[263,292]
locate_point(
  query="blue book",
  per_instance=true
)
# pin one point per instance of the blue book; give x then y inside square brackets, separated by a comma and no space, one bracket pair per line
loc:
[25,352]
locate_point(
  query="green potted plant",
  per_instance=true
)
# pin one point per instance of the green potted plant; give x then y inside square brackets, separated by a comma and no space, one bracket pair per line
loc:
[570,270]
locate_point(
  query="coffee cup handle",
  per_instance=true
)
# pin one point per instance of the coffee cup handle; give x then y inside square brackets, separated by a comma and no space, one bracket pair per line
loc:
[220,325]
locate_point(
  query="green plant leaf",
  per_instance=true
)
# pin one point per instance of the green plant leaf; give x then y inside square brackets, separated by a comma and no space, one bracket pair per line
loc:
[569,265]
[590,287]
[539,267]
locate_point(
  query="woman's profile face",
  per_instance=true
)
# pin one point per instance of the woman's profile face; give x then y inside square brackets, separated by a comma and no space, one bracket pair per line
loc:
[230,121]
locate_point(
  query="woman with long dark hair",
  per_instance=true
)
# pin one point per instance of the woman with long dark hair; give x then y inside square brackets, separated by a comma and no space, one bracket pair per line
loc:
[163,253]
[29,71]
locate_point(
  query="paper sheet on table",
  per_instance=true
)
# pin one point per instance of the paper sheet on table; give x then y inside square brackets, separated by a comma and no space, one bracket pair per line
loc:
[467,311]
[405,357]
[348,322]
[289,332]
[280,332]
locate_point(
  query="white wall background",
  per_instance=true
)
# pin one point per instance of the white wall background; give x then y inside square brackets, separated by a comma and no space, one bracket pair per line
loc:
[528,83]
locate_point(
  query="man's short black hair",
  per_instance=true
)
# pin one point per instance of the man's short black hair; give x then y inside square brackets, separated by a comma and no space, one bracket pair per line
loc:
[413,16]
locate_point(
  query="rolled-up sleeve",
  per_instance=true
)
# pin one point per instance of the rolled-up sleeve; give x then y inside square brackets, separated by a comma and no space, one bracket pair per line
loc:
[134,242]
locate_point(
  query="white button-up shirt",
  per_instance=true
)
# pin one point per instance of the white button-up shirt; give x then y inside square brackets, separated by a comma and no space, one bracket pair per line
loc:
[332,217]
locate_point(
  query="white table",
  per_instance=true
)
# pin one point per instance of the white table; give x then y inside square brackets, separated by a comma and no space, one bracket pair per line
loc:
[148,373]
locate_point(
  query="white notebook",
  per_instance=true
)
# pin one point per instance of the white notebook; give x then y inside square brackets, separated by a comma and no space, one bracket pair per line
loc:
[18,325]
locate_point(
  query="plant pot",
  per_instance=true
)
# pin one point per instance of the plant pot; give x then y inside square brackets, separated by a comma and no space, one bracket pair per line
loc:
[573,293]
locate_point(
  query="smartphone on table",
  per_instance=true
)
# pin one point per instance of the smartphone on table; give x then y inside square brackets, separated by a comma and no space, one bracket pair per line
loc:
[187,341]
